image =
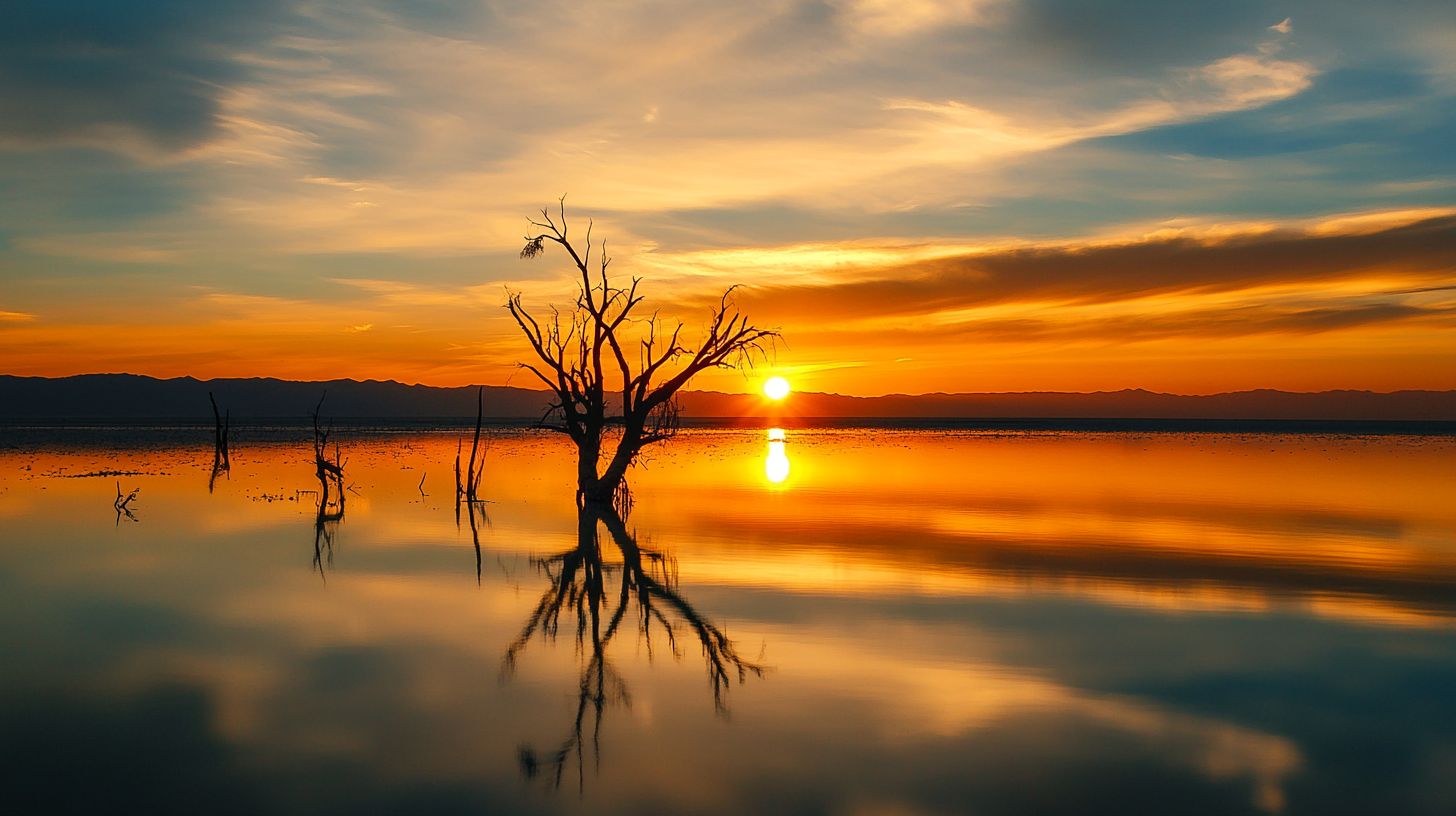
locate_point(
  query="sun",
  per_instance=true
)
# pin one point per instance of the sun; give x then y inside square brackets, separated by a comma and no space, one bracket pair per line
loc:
[776,388]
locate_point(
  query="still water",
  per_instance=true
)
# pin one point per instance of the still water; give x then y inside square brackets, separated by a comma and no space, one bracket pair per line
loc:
[829,621]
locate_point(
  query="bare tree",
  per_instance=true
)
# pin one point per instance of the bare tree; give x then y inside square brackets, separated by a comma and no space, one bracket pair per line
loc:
[330,472]
[584,347]
[221,457]
[466,489]
[122,504]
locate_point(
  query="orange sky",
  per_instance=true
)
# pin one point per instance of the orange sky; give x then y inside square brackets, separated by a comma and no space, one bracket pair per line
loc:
[1330,304]
[944,197]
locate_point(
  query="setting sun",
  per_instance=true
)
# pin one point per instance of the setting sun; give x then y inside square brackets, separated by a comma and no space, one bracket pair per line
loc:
[776,388]
[1127,341]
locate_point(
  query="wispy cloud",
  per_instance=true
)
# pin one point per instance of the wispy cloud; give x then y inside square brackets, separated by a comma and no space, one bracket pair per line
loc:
[1010,174]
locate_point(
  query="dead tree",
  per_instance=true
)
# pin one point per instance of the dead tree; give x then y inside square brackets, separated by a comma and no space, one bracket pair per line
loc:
[467,488]
[582,348]
[329,469]
[122,504]
[221,457]
[330,473]
[223,424]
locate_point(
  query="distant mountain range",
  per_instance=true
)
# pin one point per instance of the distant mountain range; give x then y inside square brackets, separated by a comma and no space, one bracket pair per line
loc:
[129,396]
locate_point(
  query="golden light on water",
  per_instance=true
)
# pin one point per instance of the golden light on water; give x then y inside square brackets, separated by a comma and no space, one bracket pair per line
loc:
[776,466]
[776,388]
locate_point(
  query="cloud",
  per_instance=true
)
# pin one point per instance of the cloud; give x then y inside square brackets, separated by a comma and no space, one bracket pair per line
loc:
[1334,289]
[143,76]
[367,158]
[873,278]
[1135,36]
[1171,265]
[418,138]
[1250,80]
[107,247]
[897,18]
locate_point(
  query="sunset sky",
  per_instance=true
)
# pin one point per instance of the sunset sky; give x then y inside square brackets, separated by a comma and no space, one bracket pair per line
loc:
[972,195]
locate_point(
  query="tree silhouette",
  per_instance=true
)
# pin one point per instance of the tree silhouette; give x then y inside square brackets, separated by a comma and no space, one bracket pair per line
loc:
[581,588]
[221,457]
[330,473]
[581,348]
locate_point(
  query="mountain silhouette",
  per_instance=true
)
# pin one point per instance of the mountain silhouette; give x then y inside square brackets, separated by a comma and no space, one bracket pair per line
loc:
[130,397]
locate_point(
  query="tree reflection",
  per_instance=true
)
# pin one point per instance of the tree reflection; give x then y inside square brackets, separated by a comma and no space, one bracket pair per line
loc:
[325,525]
[330,473]
[221,456]
[474,509]
[582,585]
[218,469]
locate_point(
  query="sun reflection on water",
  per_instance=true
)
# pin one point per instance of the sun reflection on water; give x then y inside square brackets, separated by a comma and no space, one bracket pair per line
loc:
[776,466]
[881,596]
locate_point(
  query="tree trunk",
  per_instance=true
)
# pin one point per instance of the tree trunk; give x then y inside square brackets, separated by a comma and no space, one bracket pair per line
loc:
[601,489]
[588,486]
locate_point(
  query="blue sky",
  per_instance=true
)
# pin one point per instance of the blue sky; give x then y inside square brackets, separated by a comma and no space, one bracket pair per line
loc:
[339,188]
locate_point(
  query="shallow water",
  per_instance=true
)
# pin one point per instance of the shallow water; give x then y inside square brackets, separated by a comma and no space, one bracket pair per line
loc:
[905,621]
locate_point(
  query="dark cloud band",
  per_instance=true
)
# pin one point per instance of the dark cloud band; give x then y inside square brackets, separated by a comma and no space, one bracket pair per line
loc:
[94,71]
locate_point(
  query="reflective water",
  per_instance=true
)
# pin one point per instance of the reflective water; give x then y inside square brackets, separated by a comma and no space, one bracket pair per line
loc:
[809,621]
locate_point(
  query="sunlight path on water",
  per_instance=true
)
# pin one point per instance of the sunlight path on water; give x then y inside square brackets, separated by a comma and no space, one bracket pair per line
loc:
[860,620]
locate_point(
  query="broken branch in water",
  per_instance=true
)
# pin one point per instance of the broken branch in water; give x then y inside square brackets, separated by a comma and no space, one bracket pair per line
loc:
[467,490]
[222,426]
[221,457]
[122,503]
[330,471]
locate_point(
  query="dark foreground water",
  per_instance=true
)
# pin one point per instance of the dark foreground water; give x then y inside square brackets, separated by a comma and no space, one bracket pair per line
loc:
[871,621]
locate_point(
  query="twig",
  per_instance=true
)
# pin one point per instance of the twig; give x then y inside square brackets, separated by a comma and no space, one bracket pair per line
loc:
[122,504]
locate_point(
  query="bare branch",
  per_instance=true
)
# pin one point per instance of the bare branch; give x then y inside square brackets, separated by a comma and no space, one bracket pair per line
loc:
[572,344]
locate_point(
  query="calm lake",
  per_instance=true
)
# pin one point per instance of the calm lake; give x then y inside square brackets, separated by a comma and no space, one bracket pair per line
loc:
[817,621]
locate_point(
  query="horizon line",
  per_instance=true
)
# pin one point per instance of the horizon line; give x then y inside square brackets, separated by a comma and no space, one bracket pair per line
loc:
[886,395]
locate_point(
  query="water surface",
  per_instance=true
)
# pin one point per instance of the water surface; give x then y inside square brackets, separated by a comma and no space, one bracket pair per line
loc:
[811,621]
